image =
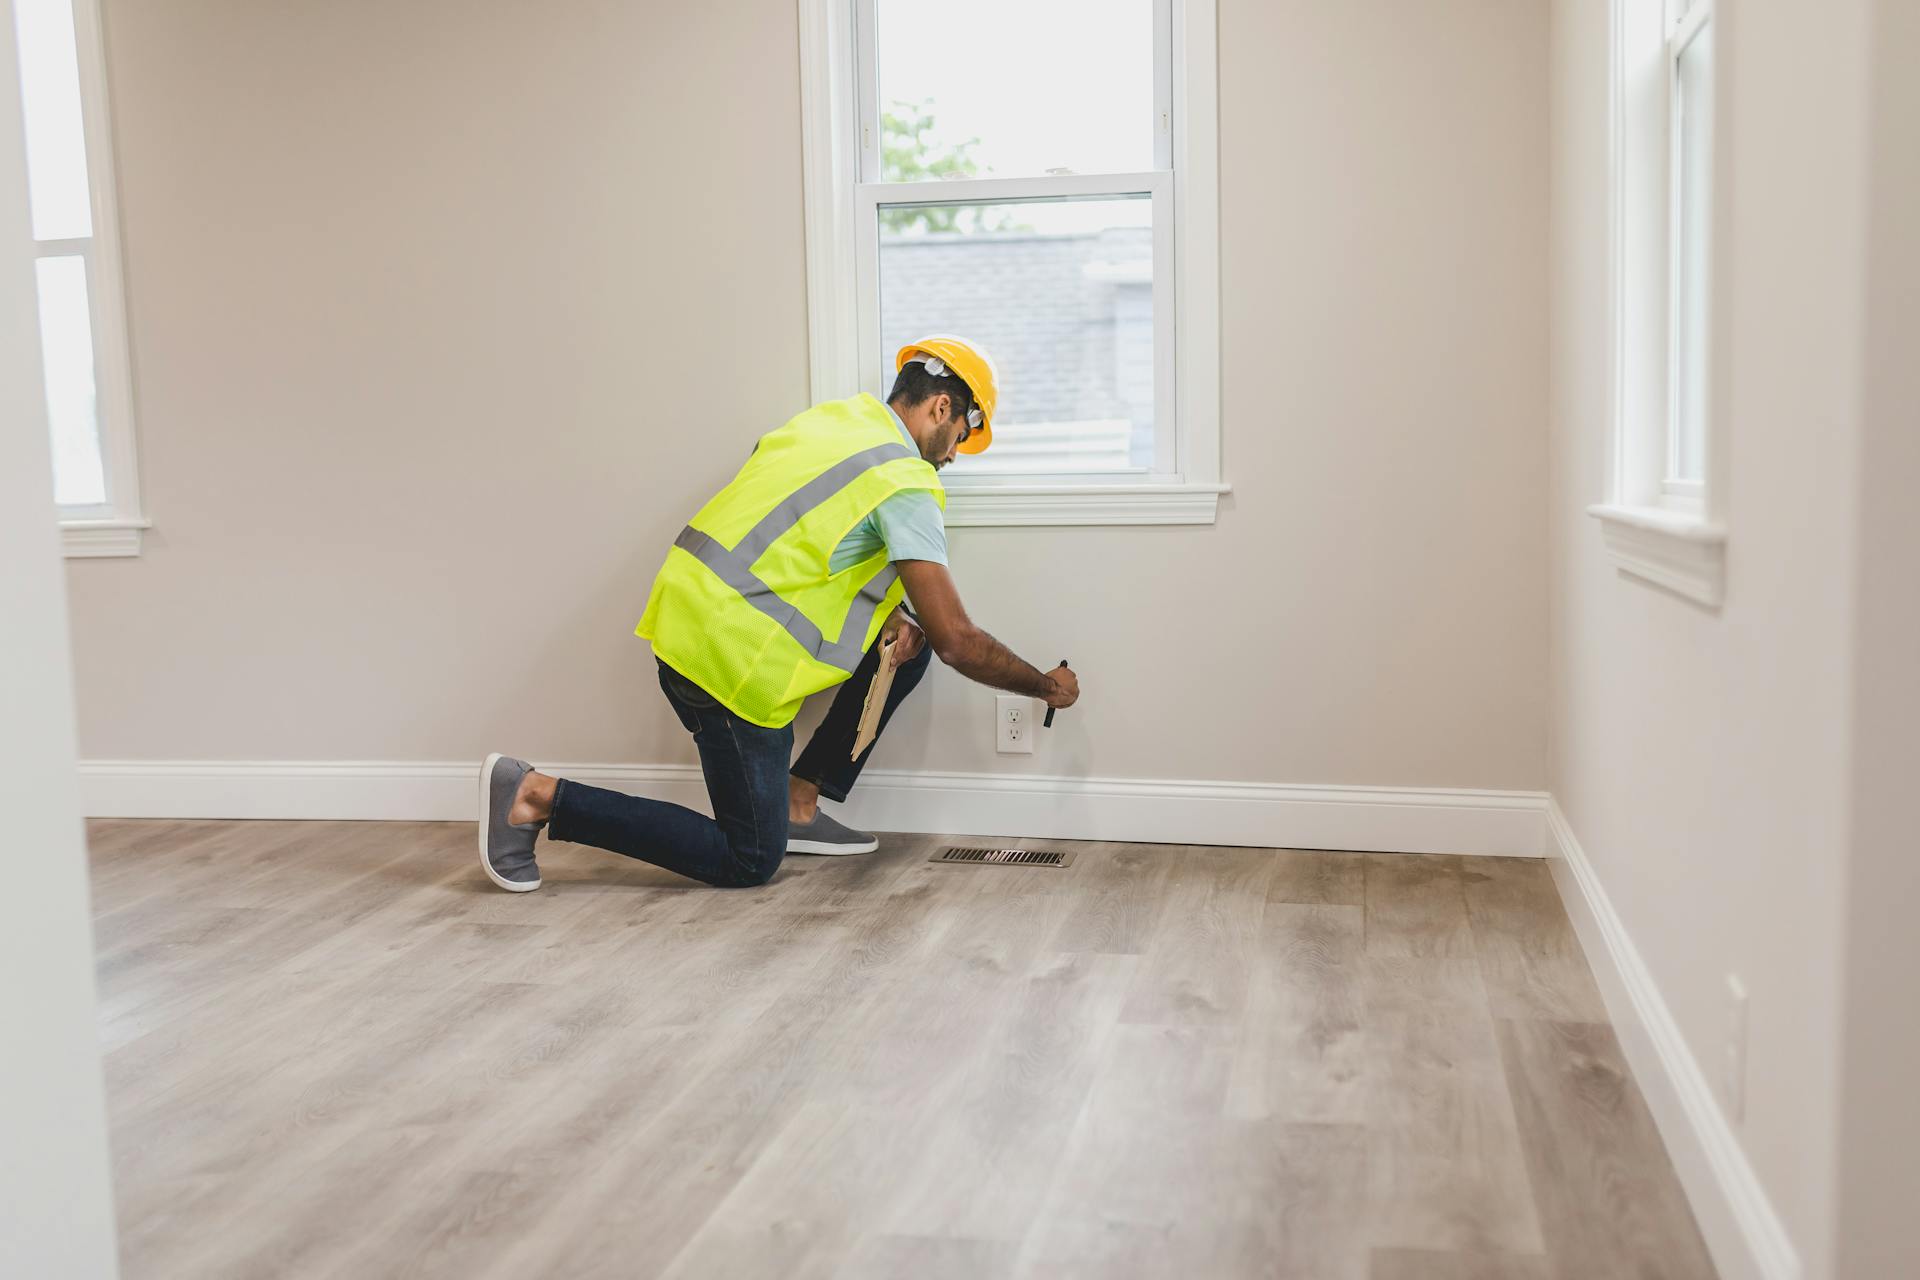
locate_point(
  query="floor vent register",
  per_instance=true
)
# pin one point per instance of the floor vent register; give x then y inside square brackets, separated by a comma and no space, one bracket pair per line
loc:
[1005,857]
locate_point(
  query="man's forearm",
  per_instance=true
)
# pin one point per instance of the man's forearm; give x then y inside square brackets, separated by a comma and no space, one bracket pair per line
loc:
[981,658]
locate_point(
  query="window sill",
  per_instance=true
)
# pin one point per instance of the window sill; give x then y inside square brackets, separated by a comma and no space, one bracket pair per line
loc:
[1685,554]
[98,539]
[1082,504]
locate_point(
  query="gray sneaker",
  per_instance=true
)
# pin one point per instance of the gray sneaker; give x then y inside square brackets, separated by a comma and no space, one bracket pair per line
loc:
[506,849]
[824,835]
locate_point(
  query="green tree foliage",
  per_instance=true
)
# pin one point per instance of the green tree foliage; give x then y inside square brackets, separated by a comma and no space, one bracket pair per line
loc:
[911,151]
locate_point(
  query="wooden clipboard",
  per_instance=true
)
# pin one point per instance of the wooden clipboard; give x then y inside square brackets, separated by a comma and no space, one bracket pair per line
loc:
[877,696]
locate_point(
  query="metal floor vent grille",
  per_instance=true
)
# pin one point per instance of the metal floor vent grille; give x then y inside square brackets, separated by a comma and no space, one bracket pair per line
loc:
[1010,857]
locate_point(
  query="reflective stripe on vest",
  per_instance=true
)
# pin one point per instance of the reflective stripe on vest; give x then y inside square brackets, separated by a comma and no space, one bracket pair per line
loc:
[793,510]
[735,567]
[845,651]
[747,604]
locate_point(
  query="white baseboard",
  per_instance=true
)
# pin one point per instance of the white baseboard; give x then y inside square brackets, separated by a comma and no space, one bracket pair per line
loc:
[1381,819]
[1745,1236]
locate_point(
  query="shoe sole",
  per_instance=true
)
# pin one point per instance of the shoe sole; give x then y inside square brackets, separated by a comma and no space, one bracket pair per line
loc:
[821,846]
[486,821]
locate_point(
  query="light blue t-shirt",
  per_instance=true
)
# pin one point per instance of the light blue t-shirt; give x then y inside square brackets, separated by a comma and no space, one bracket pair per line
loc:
[909,525]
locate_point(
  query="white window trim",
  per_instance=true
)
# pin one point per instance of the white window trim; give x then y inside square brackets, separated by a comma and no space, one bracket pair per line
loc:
[1686,496]
[115,527]
[1668,532]
[834,202]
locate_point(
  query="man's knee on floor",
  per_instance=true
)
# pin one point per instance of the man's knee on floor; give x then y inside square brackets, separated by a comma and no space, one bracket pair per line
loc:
[750,871]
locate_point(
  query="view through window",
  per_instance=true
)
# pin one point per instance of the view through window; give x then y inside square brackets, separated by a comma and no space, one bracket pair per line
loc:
[63,233]
[1054,113]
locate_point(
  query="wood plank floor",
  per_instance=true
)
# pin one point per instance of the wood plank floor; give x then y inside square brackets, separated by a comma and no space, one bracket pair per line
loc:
[334,1049]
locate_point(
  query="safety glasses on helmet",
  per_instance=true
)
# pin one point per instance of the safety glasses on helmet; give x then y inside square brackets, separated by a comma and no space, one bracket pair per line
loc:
[937,368]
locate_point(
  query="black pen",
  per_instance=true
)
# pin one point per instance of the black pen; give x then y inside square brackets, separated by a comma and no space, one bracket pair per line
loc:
[1048,722]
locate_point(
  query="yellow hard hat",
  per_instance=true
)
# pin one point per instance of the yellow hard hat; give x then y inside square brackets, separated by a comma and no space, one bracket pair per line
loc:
[973,366]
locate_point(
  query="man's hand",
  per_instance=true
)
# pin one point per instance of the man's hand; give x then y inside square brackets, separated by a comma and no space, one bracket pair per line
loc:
[1067,687]
[908,640]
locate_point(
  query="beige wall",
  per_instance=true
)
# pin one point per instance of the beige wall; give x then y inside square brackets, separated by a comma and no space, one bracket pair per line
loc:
[1701,756]
[1877,1233]
[447,316]
[441,313]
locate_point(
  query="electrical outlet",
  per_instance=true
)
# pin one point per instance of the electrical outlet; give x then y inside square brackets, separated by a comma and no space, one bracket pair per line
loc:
[1012,725]
[1733,1064]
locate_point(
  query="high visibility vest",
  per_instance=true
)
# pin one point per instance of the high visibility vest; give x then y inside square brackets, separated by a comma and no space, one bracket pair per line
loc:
[745,606]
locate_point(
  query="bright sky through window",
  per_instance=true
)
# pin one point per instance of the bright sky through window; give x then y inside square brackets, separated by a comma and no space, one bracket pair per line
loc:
[1041,85]
[50,96]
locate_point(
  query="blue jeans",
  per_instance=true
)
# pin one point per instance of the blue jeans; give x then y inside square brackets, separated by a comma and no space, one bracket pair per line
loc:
[746,770]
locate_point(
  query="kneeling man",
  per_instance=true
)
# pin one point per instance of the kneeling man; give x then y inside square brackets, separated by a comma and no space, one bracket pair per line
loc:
[777,589]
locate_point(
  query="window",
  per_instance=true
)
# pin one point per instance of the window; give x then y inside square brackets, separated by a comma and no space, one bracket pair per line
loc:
[1659,518]
[82,330]
[1039,178]
[1690,141]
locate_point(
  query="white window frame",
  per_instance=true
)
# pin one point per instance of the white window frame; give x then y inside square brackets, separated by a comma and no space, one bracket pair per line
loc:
[113,527]
[840,140]
[1657,527]
[1687,496]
